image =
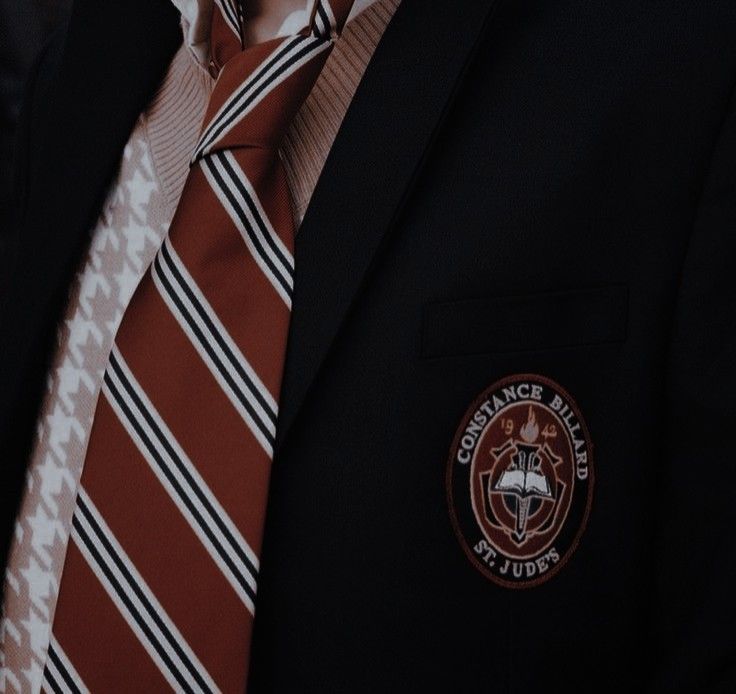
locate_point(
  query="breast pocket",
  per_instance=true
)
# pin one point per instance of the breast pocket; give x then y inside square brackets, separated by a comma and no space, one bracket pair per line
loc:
[553,320]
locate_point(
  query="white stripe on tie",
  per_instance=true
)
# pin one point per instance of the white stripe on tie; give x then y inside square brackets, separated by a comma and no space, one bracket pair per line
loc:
[130,593]
[230,15]
[279,273]
[238,391]
[194,499]
[244,100]
[59,674]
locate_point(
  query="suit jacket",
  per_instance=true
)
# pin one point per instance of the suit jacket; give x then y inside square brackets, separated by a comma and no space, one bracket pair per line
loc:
[519,187]
[22,39]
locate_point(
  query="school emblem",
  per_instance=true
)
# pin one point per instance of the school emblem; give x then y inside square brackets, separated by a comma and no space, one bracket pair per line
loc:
[520,480]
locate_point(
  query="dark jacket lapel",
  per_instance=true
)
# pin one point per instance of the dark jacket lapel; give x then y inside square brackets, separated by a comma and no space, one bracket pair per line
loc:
[378,154]
[105,71]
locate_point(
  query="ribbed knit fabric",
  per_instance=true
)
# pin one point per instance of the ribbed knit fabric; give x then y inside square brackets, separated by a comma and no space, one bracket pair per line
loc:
[314,130]
[173,121]
[132,224]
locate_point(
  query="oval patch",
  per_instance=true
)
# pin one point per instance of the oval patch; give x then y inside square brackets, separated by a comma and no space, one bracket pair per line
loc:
[520,480]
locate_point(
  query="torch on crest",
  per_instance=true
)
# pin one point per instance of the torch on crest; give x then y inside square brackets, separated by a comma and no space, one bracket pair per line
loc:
[530,431]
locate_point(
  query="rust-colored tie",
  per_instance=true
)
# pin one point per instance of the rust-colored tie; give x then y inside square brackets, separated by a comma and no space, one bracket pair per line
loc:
[159,584]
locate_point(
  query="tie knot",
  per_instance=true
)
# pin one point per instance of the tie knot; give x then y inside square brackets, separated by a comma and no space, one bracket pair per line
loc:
[269,80]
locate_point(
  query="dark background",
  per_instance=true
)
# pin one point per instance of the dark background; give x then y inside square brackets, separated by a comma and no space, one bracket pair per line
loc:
[24,27]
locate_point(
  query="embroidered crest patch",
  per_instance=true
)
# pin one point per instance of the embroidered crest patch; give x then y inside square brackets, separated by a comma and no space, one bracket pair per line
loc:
[520,480]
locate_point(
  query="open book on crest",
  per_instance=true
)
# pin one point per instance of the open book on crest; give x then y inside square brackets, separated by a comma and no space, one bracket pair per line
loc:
[524,483]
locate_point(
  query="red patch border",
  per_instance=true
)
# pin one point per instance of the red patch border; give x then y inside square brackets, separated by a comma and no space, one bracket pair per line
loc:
[515,378]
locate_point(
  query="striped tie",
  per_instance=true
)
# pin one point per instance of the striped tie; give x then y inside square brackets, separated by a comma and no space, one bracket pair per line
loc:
[159,582]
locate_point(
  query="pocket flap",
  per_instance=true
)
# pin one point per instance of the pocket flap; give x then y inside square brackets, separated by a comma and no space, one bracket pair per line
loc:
[553,320]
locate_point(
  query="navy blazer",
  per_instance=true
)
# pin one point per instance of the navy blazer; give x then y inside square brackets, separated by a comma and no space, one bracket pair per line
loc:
[519,187]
